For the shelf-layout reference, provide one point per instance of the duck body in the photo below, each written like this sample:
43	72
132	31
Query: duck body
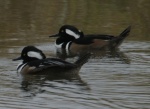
35	62
44	66
70	38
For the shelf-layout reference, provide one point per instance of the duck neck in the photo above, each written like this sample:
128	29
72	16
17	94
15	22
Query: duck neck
62	43
61	40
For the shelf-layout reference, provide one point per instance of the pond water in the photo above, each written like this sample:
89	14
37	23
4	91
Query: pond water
120	81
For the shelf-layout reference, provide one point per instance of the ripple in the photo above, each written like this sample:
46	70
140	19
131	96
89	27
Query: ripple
120	82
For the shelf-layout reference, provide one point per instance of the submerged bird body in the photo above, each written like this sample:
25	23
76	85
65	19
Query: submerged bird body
35	62
72	39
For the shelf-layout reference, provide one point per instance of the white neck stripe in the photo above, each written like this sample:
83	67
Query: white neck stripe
67	46
20	67
58	45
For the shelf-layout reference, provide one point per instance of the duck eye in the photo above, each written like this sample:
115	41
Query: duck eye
24	54
62	31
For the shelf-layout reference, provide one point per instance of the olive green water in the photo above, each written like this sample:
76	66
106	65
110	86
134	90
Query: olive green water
108	82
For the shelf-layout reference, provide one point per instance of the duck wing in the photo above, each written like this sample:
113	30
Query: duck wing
49	65
88	39
51	62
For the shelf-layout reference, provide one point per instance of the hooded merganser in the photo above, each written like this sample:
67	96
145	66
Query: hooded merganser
35	62
70	38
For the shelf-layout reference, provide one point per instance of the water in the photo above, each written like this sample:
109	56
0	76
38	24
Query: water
119	81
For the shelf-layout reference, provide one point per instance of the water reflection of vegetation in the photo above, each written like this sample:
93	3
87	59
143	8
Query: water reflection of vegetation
26	19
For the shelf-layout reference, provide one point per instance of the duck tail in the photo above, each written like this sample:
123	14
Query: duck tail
121	37
126	32
83	59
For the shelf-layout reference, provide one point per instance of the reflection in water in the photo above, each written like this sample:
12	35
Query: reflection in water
97	53
38	19
114	84
33	84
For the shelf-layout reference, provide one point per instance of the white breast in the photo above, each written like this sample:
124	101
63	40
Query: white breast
58	45
20	66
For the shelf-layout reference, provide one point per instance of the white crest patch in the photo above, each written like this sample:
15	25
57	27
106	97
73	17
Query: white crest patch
34	54
76	36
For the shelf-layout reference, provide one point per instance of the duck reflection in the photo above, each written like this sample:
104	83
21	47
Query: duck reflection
36	69
96	53
36	84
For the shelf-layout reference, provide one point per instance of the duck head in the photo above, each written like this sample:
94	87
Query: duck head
67	33
30	53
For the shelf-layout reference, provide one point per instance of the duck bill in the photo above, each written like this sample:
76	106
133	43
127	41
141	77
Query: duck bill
16	59
54	35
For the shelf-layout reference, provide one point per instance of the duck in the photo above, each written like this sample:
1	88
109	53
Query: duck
70	38
34	61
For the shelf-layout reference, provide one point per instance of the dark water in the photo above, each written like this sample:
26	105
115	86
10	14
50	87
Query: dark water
108	82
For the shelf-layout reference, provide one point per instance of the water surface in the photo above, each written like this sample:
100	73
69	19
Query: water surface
120	81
